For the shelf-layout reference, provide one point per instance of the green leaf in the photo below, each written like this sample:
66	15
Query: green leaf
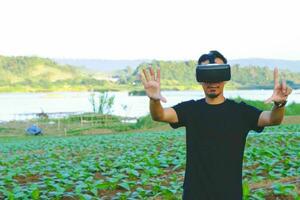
35	194
124	185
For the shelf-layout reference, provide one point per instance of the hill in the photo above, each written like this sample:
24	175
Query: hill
100	65
109	66
31	74
34	69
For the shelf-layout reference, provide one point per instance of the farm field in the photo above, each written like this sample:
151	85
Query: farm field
145	165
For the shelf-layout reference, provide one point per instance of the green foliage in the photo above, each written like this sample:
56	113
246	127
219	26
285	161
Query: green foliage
256	103
90	117
4	129
246	191
146	122
124	75
31	74
290	109
172	73
284	189
93	102
133	166
182	73
35	74
29	70
293	109
111	122
104	103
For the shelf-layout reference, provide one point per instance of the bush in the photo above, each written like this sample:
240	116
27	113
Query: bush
147	122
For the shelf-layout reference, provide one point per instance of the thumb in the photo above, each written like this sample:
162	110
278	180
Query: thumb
163	99
269	100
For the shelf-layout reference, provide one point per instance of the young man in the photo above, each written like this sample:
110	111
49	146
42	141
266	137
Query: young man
216	131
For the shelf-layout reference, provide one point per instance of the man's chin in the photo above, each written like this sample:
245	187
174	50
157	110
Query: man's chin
212	95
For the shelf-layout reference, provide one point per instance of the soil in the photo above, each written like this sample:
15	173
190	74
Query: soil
291	120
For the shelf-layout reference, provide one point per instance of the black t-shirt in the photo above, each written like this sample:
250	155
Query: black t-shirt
215	139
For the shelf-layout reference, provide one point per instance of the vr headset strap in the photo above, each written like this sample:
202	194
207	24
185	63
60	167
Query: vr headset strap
211	58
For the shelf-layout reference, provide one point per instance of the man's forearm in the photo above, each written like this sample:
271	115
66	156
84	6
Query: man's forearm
277	114
156	110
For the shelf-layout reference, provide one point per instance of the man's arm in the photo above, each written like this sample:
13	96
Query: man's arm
152	87
271	118
158	113
279	96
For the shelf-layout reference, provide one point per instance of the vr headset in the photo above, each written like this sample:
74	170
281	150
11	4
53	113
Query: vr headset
212	72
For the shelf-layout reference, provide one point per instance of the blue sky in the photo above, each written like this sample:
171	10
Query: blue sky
155	29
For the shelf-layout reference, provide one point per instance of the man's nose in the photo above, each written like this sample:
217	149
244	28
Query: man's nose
212	84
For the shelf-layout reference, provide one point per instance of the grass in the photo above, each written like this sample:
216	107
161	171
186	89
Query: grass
78	125
290	109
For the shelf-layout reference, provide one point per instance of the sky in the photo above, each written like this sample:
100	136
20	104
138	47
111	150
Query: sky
152	29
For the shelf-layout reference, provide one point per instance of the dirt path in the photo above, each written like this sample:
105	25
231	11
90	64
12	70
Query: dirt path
291	120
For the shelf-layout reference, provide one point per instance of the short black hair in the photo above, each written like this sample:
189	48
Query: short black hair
211	57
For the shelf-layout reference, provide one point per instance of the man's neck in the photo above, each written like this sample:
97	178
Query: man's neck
218	100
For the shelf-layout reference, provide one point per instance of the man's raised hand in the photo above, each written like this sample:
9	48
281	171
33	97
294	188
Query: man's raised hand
281	91
152	84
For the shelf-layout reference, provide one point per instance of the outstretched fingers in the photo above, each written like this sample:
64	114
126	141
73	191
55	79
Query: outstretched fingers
158	75
283	87
142	79
289	90
152	73
146	75
276	79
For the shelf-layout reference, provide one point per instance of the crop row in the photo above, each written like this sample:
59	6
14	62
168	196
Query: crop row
135	166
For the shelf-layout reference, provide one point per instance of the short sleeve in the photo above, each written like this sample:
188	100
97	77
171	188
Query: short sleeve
182	110
251	115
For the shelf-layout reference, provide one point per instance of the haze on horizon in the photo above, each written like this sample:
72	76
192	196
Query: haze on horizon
139	29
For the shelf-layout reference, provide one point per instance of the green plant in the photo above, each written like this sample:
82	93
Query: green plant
146	122
284	189
133	166
104	103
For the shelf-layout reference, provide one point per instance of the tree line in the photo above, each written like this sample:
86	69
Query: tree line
182	73
42	74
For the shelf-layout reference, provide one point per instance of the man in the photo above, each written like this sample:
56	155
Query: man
216	131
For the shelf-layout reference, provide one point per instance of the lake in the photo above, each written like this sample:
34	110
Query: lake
18	106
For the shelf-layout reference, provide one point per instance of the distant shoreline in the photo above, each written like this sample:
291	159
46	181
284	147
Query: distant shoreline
131	90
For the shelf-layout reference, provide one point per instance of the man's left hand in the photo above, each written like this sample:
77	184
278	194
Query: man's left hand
281	91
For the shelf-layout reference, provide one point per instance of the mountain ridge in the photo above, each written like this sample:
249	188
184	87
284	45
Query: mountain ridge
107	65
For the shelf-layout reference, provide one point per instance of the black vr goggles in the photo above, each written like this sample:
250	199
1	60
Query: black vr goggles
212	72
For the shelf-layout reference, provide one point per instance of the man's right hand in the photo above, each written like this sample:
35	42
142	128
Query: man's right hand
152	84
